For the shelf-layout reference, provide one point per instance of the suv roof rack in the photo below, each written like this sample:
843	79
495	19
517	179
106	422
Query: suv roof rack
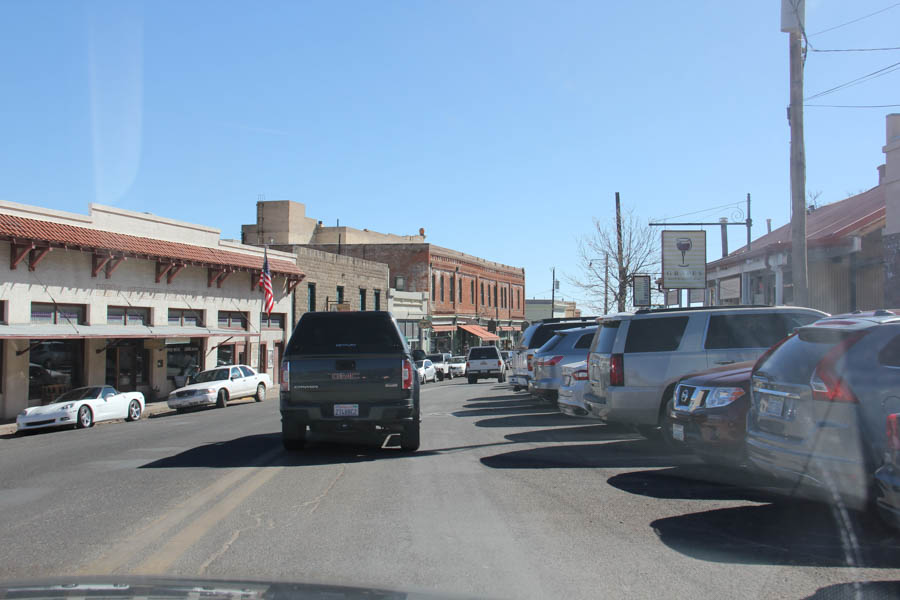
561	319
644	311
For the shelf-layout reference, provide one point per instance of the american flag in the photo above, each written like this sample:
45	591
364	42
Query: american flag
265	282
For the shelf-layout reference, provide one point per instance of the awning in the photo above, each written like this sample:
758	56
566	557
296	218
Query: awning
508	328
68	331
480	331
442	328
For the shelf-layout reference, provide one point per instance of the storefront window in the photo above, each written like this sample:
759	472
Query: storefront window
272	321
225	355
127	315
182	362
185	317
127	365
55	366
57	314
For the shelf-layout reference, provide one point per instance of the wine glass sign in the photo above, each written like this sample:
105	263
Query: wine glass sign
684	259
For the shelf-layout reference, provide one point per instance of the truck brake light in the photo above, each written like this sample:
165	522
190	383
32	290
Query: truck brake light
406	370
285	376
617	369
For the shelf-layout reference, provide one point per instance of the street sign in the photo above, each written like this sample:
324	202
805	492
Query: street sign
684	259
640	288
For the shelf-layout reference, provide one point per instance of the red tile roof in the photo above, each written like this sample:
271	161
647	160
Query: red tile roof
825	225
15	228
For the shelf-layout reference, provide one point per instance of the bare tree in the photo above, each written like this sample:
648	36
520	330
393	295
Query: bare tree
640	254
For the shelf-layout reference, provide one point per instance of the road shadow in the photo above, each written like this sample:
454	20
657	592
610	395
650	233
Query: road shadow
501	410
639	453
786	533
520	403
321	449
699	482
171	412
515	397
858	590
598	432
539	417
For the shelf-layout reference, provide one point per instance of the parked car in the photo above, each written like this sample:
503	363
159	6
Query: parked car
636	359
571	391
218	386
709	413
887	477
521	362
458	366
82	407
818	405
484	362
426	371
441	362
349	371
566	346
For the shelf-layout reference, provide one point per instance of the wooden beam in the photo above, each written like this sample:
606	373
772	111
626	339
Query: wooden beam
254	280
212	275
174	272
98	263
37	255
162	269
292	284
223	277
18	254
112	265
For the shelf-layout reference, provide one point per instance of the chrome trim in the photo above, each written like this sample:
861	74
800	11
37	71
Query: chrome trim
777	393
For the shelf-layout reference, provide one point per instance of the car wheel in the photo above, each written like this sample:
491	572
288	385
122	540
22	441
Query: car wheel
293	437
134	411
222	399
439	375
409	439
180	411
260	393
472	380
517	388
450	375
85	418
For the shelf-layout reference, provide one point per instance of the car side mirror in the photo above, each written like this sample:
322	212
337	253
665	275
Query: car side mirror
234	377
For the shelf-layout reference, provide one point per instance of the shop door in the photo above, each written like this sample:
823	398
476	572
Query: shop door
276	362
121	368
263	359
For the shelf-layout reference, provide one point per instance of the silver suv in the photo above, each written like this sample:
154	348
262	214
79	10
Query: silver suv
637	359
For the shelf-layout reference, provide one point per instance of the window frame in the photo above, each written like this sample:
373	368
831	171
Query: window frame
230	322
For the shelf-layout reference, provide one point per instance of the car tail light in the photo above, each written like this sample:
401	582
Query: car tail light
580	375
406	370
552	362
827	385
617	369
892	432
499	363
530	360
467	365
285	376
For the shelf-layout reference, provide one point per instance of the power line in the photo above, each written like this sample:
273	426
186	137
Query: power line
868	77
852	49
853	105
877	12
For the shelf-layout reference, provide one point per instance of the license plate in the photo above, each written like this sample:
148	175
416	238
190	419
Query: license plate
678	431
772	406
346	410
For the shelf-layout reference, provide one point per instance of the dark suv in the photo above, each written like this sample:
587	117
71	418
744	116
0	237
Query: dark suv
349	371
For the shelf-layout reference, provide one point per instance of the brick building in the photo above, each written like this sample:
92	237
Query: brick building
470	300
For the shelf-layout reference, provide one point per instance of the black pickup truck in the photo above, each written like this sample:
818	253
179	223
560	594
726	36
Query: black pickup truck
349	371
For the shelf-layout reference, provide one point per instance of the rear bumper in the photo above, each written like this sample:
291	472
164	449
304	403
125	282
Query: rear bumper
813	475
571	405
718	432
633	406
483	374
519	380
372	413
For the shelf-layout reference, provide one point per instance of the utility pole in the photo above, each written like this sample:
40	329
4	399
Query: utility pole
623	284
606	286
553	295
792	22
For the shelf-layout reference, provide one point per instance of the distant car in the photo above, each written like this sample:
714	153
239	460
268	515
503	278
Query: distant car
887	477
82	407
818	405
572	388
426	370
566	346
484	362
441	362
708	413
458	366
218	386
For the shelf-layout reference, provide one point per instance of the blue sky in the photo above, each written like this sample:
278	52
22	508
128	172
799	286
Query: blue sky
501	127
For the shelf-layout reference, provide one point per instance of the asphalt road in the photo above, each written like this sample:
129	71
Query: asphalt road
506	498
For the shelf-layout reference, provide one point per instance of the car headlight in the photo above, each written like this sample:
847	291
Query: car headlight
68	406
723	396
24	413
211	390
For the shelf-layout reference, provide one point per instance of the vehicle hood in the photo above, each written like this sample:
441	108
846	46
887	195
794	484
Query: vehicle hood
736	374
199	386
49	409
127	588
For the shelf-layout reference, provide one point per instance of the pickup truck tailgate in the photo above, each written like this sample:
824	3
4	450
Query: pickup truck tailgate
337	379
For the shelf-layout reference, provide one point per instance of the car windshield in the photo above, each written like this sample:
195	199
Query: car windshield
80	394
212	375
338	258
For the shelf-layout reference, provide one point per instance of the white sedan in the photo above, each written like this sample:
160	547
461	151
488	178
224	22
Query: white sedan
82	407
426	370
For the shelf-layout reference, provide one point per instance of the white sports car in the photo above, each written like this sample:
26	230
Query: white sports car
82	407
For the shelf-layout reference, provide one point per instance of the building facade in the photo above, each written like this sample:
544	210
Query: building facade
84	304
471	301
539	308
